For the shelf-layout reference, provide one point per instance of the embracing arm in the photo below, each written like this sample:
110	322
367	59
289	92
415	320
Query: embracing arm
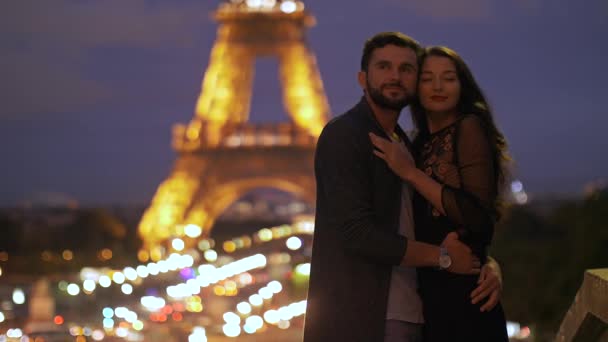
343	164
469	206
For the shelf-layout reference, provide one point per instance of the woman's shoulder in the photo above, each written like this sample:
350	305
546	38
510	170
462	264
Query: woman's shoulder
471	120
470	124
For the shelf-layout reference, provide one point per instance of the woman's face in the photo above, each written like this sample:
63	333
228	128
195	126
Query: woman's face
439	87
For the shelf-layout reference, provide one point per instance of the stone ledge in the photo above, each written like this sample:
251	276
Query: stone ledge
587	318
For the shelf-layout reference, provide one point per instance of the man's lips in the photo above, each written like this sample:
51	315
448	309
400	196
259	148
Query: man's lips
439	98
393	88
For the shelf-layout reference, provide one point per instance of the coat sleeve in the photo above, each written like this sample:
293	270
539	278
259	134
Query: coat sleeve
344	183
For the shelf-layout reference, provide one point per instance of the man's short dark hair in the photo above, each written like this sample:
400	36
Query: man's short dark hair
383	39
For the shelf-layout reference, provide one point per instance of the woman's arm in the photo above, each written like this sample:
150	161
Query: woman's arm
470	206
400	161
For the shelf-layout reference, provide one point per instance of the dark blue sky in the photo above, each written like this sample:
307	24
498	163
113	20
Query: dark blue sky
89	89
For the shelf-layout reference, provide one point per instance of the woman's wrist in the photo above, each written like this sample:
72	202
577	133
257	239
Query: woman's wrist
410	174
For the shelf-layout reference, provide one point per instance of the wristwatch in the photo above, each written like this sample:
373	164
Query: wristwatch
444	259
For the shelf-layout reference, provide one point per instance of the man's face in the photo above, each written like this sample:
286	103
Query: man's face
390	80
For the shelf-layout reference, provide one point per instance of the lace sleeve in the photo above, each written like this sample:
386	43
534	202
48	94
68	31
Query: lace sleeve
471	205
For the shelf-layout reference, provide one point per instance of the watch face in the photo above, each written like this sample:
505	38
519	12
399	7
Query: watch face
445	261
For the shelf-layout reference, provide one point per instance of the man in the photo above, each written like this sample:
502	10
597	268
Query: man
363	280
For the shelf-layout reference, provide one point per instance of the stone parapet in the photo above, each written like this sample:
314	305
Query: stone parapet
587	318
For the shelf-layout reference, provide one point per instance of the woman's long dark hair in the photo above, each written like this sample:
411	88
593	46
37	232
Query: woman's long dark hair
472	101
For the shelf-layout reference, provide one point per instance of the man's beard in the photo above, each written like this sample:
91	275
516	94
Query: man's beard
385	102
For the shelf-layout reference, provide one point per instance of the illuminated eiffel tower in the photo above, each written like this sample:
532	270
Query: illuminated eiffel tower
220	155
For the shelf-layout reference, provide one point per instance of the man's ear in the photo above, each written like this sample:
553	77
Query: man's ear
362	78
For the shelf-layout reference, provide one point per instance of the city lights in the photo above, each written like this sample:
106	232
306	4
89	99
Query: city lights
58	320
254	3
108	312
152	303
118	277
105	281
198	335
142	271
228	278
204	245
130	273
108	323
153	269
244	308
67	255
275	286
293	243
98	335
265	293
232	318
178	244
126	289
14	333
256	300
519	194
105	254
303	269
288	6
73	289
62	285
231	330
193	230
210	255
88	285
253	323
18	296
272	316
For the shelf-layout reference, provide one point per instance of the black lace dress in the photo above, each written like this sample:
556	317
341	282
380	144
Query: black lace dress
459	157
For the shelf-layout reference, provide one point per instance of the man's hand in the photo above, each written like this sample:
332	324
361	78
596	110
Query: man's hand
490	286
463	260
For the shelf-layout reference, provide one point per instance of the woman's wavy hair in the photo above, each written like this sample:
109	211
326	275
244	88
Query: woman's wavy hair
472	101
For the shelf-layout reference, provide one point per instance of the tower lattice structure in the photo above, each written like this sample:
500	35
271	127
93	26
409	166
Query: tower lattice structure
220	156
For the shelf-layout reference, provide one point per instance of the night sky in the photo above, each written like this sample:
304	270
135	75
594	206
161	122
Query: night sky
90	89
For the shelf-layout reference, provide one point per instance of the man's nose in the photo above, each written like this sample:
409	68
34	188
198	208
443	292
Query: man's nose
394	74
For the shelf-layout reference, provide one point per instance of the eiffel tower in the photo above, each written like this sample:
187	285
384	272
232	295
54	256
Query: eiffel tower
221	156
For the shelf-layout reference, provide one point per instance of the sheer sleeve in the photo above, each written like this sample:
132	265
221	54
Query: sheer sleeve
471	205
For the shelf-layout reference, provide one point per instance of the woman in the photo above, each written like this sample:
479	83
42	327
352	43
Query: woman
461	159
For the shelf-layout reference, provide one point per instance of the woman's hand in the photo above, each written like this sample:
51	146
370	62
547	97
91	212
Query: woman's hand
396	156
489	286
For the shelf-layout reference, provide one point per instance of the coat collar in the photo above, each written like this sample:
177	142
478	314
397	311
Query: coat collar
363	108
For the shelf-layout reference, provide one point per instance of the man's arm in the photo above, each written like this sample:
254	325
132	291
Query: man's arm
420	254
343	163
343	173
345	194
